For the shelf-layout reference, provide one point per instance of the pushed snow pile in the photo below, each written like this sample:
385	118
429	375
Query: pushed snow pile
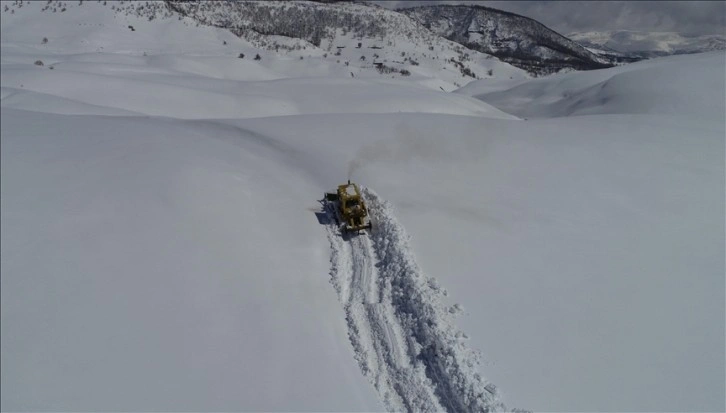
677	85
403	335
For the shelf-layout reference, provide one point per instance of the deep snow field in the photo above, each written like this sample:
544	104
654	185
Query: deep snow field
163	246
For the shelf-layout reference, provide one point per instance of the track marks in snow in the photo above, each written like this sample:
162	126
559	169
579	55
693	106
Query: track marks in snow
402	334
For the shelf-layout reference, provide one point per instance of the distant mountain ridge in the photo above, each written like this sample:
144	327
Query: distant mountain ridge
515	39
650	44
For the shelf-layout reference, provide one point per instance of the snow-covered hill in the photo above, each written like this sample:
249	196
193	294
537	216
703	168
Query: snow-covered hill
650	44
607	91
363	36
354	39
512	38
164	247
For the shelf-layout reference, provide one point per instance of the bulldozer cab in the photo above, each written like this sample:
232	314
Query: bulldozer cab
351	203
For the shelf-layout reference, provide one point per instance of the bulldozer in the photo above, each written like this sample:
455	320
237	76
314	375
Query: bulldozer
350	209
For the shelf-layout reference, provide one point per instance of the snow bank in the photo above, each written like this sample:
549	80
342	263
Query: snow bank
439	345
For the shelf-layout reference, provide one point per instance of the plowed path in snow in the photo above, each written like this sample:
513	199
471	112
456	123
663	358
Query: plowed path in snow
402	334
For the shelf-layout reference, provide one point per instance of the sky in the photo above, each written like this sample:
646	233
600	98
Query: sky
685	17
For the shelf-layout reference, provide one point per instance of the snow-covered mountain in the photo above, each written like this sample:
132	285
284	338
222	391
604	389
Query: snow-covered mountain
462	46
515	39
359	34
164	246
650	44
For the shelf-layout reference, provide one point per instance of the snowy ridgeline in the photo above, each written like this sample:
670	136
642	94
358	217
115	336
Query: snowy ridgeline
161	232
650	44
360	39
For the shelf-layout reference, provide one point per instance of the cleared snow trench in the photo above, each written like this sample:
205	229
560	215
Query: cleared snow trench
403	336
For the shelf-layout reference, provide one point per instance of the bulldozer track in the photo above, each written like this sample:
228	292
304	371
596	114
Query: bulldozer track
403	336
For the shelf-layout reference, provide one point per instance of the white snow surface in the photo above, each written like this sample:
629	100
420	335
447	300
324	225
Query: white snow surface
163	246
676	88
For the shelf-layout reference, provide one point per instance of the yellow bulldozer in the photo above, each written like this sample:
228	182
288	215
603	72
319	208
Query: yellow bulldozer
350	209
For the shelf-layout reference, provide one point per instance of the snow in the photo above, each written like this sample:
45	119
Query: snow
675	89
162	231
207	98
